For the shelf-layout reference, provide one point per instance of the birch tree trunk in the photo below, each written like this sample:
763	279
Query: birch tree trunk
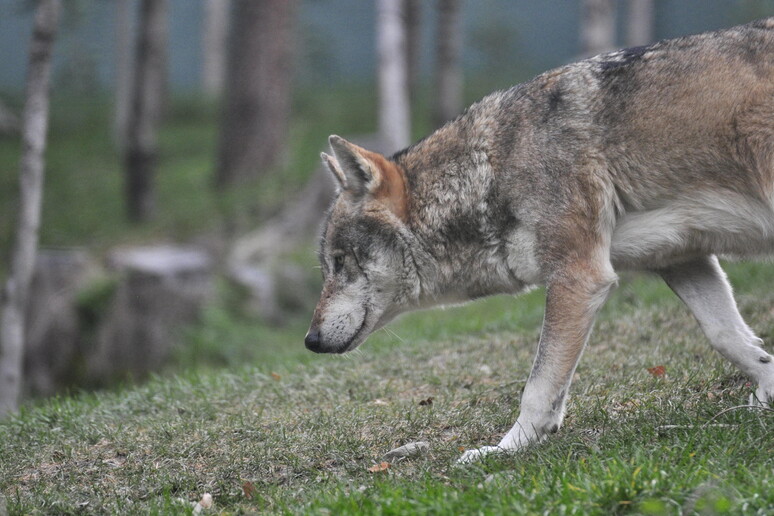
639	23
256	111
31	174
597	31
394	114
145	112
214	39
448	77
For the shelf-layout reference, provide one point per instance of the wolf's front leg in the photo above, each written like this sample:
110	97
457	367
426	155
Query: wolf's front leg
573	299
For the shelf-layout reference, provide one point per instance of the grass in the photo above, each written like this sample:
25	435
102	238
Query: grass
299	436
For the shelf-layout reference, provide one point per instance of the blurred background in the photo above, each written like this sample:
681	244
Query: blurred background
183	193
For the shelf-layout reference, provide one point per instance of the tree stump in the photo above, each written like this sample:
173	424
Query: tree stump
52	335
160	290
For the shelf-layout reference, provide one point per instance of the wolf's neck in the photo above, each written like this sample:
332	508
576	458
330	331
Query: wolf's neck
458	215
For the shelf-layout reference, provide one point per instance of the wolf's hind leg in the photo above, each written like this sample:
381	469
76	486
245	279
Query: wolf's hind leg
702	285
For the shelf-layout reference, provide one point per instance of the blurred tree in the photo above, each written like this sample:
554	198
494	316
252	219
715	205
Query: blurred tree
412	10
448	76
254	128
31	174
597	30
639	22
496	44
214	39
394	110
145	111
125	30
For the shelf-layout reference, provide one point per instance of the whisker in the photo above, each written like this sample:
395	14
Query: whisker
389	331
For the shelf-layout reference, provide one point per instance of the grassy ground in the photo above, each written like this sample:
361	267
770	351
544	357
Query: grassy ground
301	436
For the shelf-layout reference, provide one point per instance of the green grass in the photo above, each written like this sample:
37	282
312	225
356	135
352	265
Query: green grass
298	435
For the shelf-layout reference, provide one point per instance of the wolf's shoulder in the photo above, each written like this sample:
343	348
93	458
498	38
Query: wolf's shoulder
763	23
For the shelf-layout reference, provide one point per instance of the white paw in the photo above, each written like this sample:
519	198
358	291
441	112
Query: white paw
762	397
476	455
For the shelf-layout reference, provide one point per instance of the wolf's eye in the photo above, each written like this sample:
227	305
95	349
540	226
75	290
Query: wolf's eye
338	262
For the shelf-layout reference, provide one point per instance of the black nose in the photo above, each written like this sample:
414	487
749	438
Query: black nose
312	340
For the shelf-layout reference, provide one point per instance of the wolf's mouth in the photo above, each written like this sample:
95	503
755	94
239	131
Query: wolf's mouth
353	342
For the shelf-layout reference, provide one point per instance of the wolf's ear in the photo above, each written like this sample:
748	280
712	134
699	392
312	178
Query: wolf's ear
331	164
364	173
357	170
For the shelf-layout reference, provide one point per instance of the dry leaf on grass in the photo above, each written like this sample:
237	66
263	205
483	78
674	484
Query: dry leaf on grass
378	468
657	371
248	489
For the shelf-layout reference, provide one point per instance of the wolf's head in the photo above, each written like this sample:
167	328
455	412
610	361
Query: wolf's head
369	271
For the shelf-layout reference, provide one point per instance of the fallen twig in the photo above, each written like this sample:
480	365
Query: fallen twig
689	427
729	409
709	423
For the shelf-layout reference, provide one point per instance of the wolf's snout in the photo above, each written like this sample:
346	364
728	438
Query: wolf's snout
312	340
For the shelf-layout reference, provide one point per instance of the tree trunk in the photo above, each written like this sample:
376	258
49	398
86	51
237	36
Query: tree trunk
254	130
160	290
394	114
145	113
31	173
214	39
597	32
412	10
639	30
55	341
125	31
448	85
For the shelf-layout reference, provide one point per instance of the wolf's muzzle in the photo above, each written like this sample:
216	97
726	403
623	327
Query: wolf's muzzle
313	342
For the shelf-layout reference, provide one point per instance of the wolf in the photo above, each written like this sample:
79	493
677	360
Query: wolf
656	158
